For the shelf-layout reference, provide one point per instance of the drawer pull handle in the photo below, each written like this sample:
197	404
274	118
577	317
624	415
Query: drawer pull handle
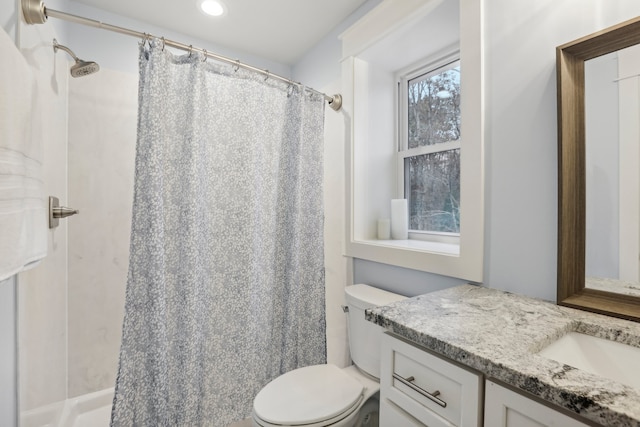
431	396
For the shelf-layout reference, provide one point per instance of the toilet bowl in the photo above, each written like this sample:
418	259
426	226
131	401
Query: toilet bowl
325	395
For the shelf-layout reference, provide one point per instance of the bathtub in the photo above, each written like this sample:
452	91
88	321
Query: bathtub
89	410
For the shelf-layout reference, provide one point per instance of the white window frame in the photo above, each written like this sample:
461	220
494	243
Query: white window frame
366	101
431	66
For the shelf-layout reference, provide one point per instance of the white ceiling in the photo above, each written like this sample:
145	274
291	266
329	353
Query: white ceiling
279	30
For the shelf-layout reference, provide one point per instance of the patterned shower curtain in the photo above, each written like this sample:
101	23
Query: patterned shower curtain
226	278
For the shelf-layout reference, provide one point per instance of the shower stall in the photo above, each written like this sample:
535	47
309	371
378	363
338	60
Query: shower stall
70	307
100	153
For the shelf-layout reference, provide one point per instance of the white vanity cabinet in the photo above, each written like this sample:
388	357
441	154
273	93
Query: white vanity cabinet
506	408
418	388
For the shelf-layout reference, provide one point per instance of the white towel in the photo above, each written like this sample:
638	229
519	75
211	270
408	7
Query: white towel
23	220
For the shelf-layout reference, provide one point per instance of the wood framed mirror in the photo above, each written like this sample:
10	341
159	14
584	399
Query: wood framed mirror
572	174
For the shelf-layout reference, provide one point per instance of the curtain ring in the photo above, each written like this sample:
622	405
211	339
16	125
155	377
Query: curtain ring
145	39
162	38
204	52
267	75
237	66
190	50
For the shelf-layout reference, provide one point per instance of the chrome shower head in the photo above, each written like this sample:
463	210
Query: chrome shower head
84	68
80	68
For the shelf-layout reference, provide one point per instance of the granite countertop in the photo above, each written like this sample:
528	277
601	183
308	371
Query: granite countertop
499	334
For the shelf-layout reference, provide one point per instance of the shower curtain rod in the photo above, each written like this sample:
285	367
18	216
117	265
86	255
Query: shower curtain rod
35	12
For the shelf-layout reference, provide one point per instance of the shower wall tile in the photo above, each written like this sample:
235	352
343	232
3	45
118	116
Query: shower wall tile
42	290
102	136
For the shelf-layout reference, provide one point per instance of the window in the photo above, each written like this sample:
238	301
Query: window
389	156
429	149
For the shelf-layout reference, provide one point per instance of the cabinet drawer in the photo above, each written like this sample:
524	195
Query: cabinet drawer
429	388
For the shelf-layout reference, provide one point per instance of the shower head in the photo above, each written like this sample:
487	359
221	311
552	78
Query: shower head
84	68
80	68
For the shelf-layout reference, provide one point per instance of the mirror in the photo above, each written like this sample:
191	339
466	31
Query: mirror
598	248
612	170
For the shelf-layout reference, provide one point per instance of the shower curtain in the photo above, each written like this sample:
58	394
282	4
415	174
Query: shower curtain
226	278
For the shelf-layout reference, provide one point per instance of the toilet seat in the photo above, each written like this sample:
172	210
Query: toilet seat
315	395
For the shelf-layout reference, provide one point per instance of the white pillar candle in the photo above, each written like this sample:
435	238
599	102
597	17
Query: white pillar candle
384	229
399	219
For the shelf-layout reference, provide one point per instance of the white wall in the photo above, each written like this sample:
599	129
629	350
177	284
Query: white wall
120	52
8	354
521	140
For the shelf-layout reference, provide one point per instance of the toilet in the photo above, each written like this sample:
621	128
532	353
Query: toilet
325	395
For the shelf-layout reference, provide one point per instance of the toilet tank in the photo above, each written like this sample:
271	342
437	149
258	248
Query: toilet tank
364	336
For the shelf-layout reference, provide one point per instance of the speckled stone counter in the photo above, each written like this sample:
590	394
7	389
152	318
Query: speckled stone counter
499	334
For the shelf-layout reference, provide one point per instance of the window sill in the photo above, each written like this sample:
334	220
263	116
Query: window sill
418	245
446	259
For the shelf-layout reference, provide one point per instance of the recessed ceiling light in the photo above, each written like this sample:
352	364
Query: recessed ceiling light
212	7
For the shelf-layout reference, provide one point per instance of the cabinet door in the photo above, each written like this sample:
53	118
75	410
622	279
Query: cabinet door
391	415
506	408
430	389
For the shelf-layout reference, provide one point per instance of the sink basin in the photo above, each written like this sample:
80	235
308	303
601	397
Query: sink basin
599	356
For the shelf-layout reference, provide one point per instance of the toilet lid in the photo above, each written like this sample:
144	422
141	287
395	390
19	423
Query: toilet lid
307	395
